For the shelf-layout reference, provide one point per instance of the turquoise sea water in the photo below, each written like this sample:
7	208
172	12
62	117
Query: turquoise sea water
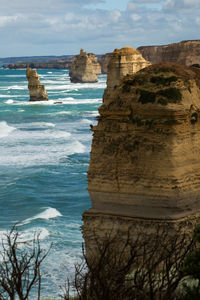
44	158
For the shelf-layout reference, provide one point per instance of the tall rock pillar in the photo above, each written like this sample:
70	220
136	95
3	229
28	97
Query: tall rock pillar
145	158
37	90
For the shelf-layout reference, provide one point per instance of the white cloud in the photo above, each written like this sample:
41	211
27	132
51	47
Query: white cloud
5	20
198	20
131	6
135	17
115	16
181	4
64	26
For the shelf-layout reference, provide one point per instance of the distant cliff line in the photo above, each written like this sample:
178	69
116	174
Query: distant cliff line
39	62
186	52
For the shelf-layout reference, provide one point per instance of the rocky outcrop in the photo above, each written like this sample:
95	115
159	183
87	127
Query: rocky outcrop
145	159
185	53
95	62
146	151
122	62
104	62
37	90
83	69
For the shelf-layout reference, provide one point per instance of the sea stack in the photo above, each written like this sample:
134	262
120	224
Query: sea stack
37	90
145	158
83	69
122	62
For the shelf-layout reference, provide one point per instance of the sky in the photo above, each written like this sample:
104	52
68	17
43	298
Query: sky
60	27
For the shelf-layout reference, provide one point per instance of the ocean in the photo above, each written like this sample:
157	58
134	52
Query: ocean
44	158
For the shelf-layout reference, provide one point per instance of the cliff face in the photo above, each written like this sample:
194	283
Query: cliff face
185	53
37	90
104	62
122	62
83	69
94	60
145	158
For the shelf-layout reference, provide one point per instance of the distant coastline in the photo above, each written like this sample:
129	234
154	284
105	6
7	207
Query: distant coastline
38	62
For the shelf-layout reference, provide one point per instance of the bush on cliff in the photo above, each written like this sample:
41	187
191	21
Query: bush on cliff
150	267
191	268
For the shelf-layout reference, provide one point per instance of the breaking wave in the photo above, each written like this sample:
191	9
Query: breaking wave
5	129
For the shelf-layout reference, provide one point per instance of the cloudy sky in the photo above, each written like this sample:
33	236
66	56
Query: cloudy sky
56	27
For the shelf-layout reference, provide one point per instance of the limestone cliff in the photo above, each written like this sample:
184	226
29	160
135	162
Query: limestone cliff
145	158
122	62
185	53
37	90
104	62
83	69
95	62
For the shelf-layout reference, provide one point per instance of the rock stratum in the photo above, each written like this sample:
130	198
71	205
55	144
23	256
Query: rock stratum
185	53
145	157
122	62
37	90
95	63
105	59
84	68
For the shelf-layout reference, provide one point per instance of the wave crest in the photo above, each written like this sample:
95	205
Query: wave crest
48	213
5	129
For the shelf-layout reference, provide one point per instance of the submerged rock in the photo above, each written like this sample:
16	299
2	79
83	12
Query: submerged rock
37	90
84	68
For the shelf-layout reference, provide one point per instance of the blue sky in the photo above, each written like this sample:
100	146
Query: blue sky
112	4
56	27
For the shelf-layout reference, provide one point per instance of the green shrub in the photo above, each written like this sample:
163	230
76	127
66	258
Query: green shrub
191	268
164	70
126	88
147	97
171	122
163	80
138	121
139	79
162	101
173	94
191	293
194	118
196	66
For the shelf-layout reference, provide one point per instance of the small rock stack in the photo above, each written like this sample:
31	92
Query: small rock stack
84	68
37	90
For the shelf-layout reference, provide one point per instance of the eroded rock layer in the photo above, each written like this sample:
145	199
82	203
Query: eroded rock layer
95	62
105	59
37	90
145	158
122	62
185	53
83	68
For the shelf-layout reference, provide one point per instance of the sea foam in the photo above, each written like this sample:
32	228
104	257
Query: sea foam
5	129
48	213
10	101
